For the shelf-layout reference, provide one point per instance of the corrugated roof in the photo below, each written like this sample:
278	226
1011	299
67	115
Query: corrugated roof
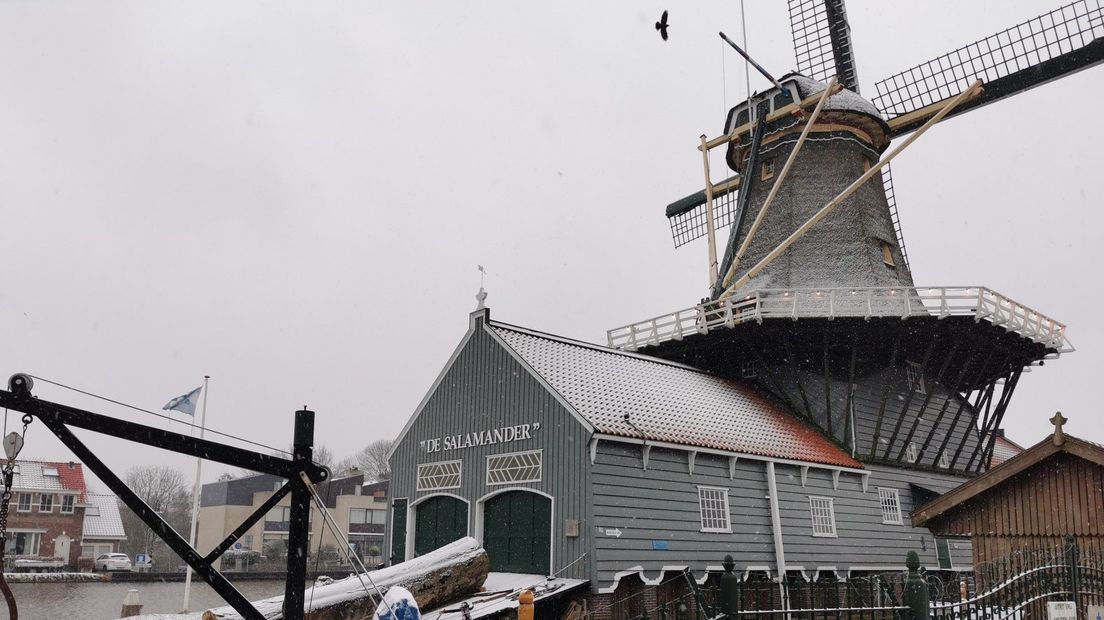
668	402
105	521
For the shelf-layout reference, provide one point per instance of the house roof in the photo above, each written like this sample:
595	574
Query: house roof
634	395
102	518
1004	449
50	476
1025	460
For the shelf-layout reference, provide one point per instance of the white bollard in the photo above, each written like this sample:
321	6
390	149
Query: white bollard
131	607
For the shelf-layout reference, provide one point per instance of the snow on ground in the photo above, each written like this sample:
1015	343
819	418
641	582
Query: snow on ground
352	587
52	577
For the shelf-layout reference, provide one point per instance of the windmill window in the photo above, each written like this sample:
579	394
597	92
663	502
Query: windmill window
887	254
748	369
823	515
915	375
945	460
713	504
767	169
912	452
891	506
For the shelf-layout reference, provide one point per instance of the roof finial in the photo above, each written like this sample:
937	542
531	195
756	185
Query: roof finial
1058	437
481	296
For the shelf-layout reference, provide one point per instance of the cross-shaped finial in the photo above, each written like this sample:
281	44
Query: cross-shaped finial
1059	436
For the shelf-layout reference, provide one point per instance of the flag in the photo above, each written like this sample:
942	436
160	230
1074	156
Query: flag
186	403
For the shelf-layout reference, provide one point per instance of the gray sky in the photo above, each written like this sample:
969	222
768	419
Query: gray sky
293	197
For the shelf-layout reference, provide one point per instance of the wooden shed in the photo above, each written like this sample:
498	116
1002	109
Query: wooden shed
1031	501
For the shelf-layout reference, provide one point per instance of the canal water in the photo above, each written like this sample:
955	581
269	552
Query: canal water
103	601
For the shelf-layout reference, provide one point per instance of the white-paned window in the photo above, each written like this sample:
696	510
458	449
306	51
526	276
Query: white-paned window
915	374
945	460
358	516
46	503
24	504
515	467
23	543
67	503
912	452
823	515
279	514
438	476
713	503
891	506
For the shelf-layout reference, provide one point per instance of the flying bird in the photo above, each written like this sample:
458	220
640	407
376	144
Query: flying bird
661	25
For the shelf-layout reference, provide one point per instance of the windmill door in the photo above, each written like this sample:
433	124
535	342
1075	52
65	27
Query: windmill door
438	521
517	532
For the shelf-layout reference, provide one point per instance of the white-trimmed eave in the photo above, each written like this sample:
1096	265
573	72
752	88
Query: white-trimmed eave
432	389
540	378
730	453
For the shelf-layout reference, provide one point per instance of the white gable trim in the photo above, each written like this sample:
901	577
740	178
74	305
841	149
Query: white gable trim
432	389
540	379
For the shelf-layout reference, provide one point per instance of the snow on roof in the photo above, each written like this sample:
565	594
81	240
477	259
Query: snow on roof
843	100
1004	449
668	402
49	476
102	518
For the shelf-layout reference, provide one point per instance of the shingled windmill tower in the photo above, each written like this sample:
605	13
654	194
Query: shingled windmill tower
812	298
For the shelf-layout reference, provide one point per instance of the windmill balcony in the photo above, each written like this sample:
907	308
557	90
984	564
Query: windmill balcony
981	303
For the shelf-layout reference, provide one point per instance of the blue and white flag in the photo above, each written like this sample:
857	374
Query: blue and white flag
186	403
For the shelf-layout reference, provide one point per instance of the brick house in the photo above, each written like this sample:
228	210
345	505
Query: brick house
47	511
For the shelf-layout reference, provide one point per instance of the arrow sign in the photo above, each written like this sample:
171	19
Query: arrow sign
613	531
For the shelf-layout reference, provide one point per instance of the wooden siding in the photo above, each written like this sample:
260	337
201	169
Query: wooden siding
486	388
1061	495
862	539
661	504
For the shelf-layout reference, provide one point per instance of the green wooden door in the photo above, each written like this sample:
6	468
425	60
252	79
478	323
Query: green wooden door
439	521
398	531
517	532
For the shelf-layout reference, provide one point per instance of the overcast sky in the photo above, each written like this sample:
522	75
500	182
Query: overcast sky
293	197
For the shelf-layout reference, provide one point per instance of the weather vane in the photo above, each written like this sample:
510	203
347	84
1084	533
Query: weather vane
481	296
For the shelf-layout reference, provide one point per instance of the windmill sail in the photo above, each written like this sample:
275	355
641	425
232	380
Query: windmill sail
822	41
1055	44
687	215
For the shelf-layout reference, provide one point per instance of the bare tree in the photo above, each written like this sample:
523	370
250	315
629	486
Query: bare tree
166	491
372	460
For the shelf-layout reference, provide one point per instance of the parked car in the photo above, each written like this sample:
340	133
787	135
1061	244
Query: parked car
113	561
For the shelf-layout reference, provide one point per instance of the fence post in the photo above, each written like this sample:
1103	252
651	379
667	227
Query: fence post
730	589
525	605
1073	556
917	598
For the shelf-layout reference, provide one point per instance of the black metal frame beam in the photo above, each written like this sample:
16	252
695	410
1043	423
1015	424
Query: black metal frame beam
885	396
59	418
946	405
908	399
252	519
927	401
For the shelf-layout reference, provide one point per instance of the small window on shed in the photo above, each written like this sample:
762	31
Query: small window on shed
912	452
887	254
713	504
823	515
943	553
891	506
767	170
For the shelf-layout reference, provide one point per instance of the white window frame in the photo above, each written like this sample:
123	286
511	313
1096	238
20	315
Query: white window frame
945	460
42	499
19	502
439	487
703	492
831	513
915	374
364	518
890	502
912	452
71	500
540	467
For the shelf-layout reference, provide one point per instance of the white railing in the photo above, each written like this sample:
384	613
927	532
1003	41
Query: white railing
902	302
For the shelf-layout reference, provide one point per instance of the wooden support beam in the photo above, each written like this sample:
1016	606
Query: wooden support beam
908	399
797	377
927	401
827	388
985	397
946	406
710	228
777	184
849	428
805	103
851	189
885	396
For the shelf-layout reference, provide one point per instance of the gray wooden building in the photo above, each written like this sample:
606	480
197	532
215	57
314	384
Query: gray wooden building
583	461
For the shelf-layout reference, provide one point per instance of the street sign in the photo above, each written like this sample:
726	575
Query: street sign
1062	610
1096	612
140	558
237	546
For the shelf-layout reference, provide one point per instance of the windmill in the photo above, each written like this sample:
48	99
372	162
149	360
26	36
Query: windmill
812	297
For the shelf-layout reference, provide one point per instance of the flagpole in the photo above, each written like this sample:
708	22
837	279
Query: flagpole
195	495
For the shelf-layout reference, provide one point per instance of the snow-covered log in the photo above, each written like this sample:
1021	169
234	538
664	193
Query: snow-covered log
436	578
